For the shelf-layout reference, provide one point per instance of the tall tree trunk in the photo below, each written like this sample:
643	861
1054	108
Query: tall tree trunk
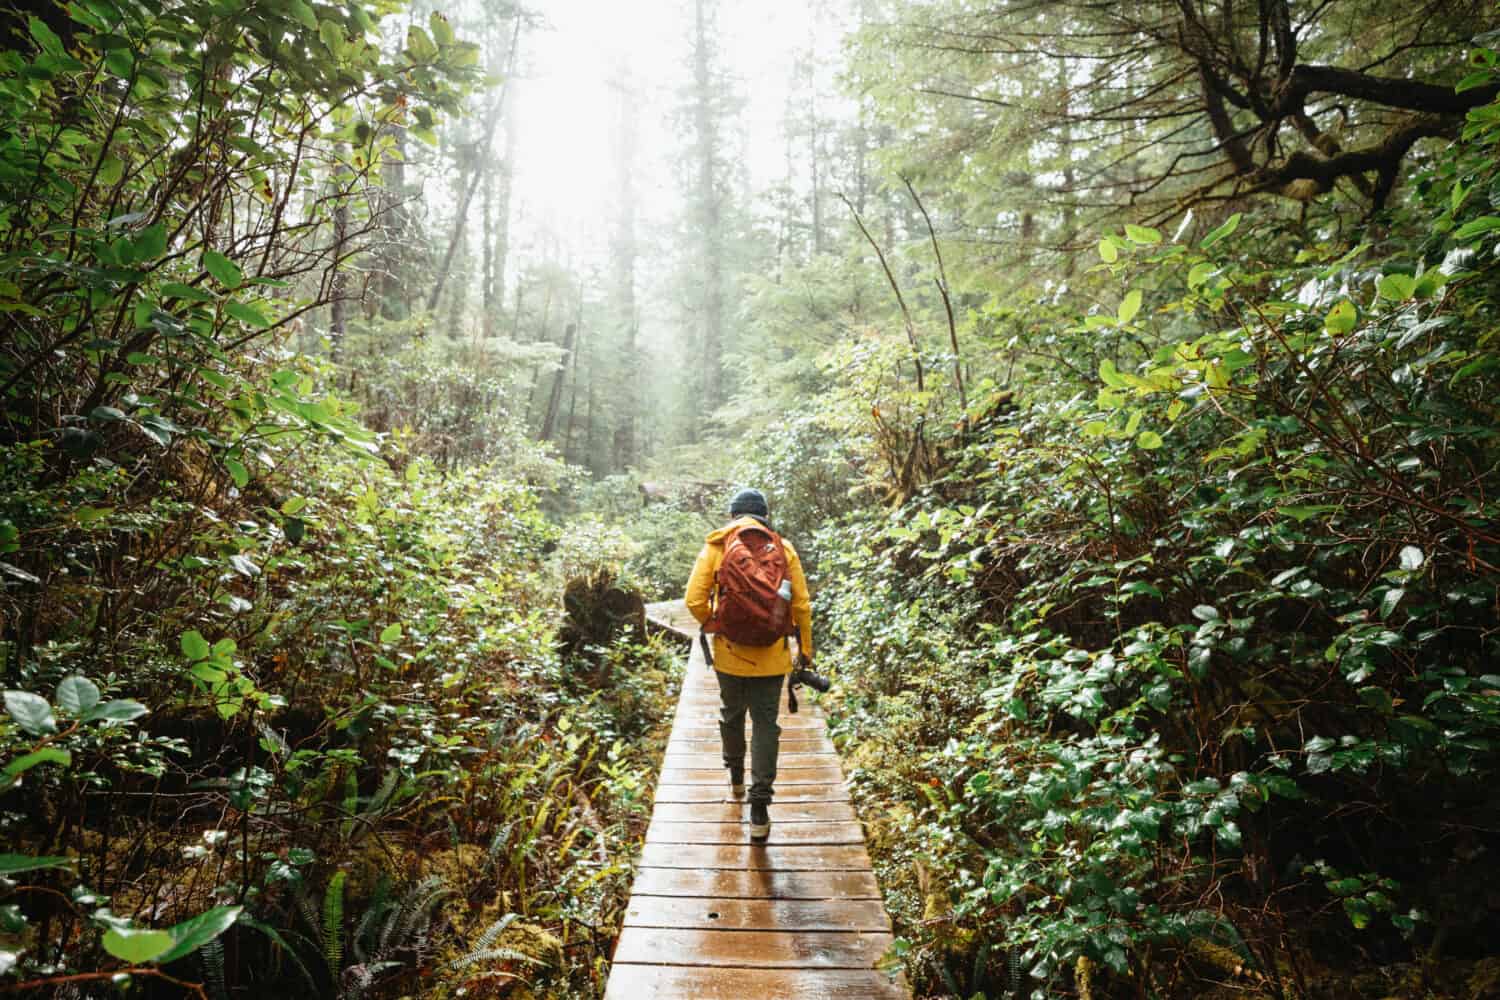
549	422
622	257
338	284
394	256
573	400
487	277
458	301
471	183
710	359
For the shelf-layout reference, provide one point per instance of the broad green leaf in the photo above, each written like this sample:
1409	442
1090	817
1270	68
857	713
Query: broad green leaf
1108	252
1129	306
1150	440
224	270
194	933
391	633
31	712
150	243
1206	613
247	314
1306	512
1389	602
441	29
304	14
1111	375
110	171
177	290
46	755
1396	287
237	471
118	710
121	62
418	45
14	864
1200	273
77	694
136	944
331	34
1358	911
1225	229
1478	78
194	646
45	37
1341	318
293	505
1143	235
107	414
1477	227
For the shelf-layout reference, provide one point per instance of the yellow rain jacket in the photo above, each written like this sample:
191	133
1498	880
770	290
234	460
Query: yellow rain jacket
735	658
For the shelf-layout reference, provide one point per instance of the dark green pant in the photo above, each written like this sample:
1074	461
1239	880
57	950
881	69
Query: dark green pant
761	697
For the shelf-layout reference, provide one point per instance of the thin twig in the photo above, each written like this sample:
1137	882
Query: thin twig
911	329
942	284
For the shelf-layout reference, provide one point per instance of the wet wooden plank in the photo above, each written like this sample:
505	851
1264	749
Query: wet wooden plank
784	759
719	776
757	914
710	739
634	982
761	883
738	812
704	724
829	792
664	832
751	949
791	857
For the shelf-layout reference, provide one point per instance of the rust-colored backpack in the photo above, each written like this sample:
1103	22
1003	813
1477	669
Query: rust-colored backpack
748	607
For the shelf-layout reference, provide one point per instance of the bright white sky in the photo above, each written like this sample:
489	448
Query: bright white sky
563	169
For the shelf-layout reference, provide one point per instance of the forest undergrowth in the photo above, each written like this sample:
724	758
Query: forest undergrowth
1168	667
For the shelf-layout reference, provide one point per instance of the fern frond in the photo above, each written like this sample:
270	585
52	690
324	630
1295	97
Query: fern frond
490	955
376	913
411	915
212	957
333	924
493	931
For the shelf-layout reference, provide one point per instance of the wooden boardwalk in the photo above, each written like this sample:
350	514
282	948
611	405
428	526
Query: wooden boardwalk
713	917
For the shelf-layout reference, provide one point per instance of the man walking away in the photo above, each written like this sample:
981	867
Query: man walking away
747	590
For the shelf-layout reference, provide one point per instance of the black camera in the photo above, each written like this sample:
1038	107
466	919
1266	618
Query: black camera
819	683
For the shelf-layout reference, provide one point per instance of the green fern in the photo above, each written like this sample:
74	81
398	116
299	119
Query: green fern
366	935
212	957
484	949
333	924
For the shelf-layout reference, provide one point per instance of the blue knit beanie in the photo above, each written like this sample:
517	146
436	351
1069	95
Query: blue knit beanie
748	501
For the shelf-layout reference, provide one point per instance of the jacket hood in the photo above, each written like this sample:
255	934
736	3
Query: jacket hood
717	536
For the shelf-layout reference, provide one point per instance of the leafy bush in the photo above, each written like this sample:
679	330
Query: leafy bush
1220	697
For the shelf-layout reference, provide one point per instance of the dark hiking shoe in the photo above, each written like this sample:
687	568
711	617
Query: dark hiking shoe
760	822
737	782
